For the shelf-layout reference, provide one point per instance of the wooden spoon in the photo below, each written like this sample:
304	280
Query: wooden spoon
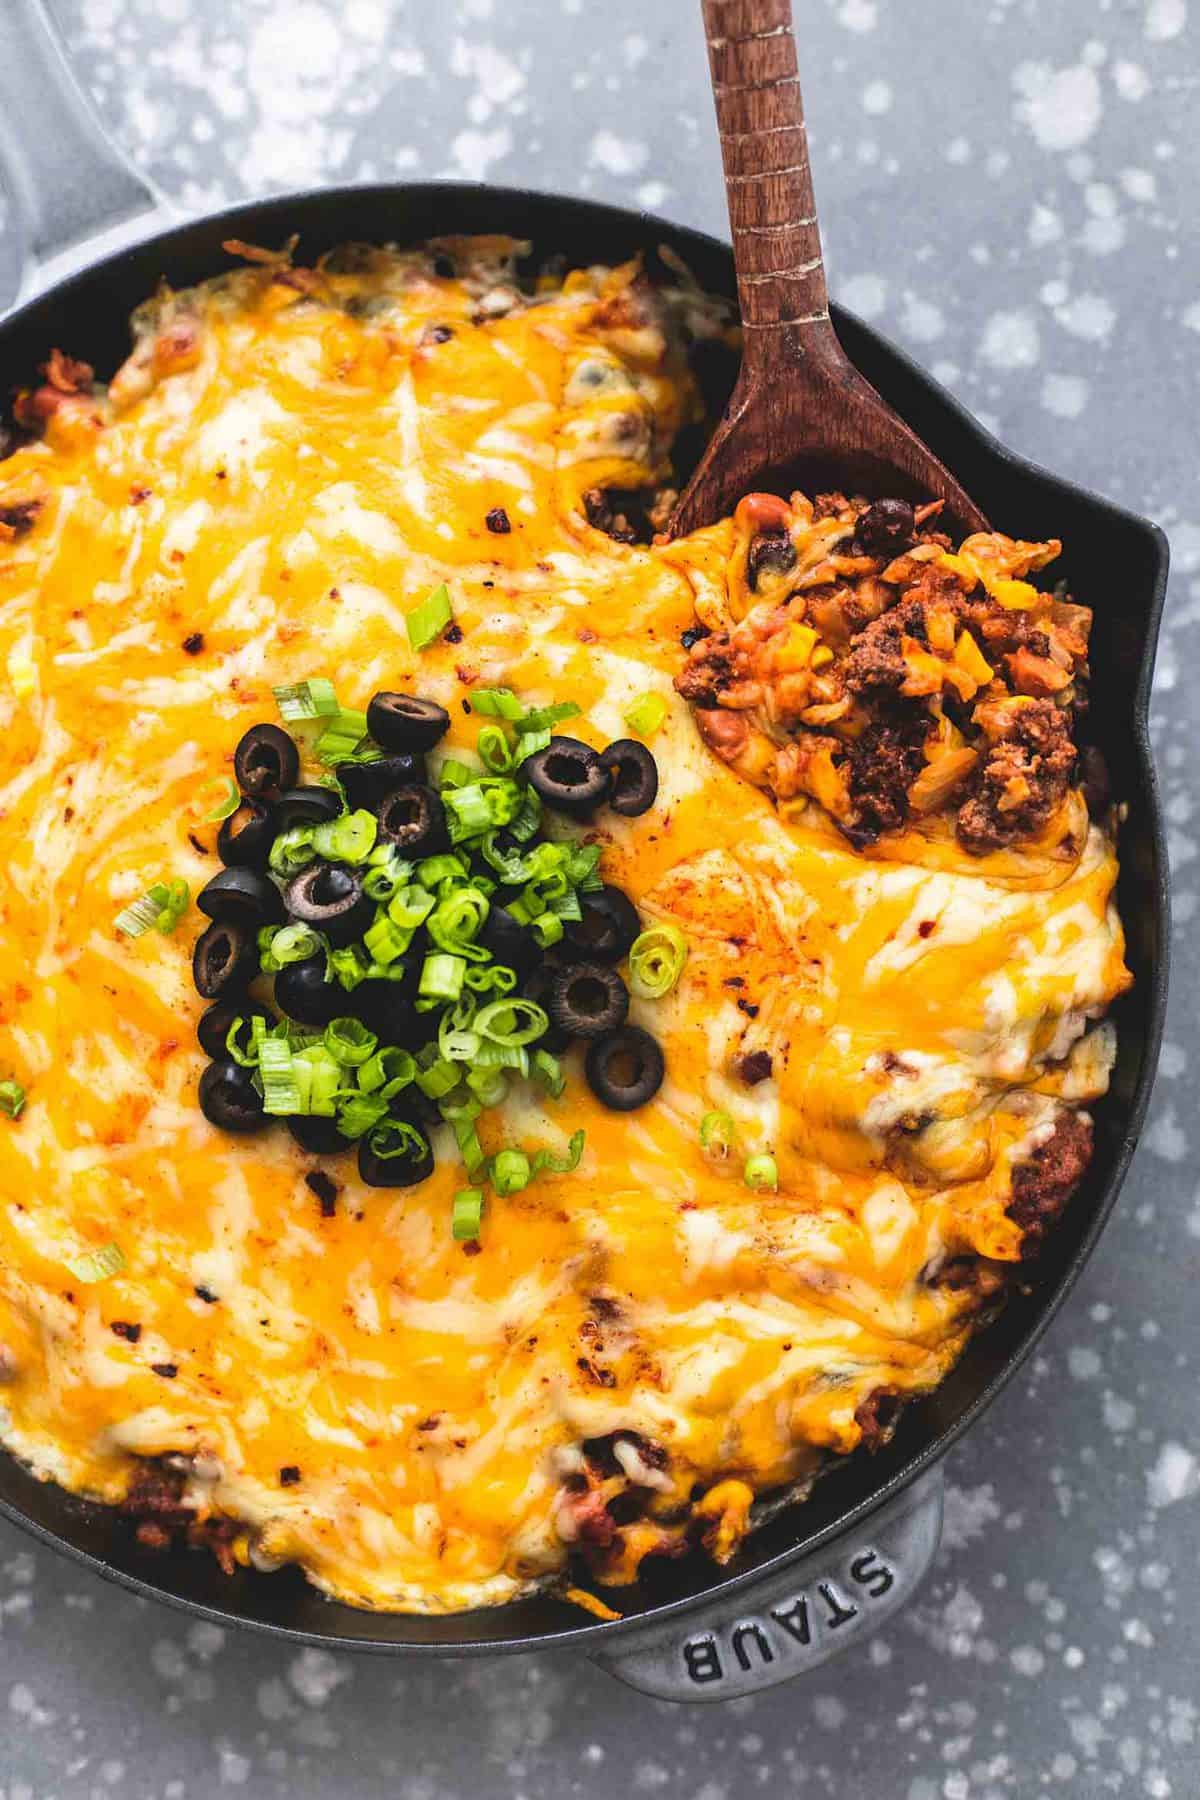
800	415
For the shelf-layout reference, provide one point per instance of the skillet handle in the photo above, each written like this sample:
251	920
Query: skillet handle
76	196
795	1620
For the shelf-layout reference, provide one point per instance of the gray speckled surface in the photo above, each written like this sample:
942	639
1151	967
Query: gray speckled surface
1007	188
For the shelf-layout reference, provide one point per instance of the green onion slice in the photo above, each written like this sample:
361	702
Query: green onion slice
342	739
560	1165
292	851
656	961
226	806
496	703
441	978
548	1072
387	1071
359	1113
466	1214
281	1089
312	699
495	751
761	1173
349	839
512	1021
12	1098
542	718
396	1137
645	714
293	944
510	1171
350	1042
427	621
717	1135
98	1265
161	906
349	965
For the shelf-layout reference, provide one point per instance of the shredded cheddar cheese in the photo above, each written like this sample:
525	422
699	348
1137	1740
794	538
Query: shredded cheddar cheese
287	463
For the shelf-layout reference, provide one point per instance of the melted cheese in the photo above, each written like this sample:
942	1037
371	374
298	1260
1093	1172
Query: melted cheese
316	469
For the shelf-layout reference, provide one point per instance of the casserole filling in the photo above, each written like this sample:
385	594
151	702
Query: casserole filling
877	939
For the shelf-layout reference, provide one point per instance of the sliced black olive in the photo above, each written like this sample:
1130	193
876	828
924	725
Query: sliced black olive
588	999
245	838
330	898
411	1163
608	927
213	1026
266	760
229	1098
402	722
414	819
536	987
625	1069
225	959
568	776
320	1136
386	1008
306	806
367	785
633	774
302	992
244	895
510	942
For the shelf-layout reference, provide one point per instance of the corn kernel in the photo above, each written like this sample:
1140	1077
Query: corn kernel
1017	596
796	650
971	659
822	656
22	671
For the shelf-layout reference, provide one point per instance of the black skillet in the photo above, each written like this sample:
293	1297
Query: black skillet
817	1576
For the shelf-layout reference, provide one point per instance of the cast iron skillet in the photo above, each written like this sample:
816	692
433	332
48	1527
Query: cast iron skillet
1113	560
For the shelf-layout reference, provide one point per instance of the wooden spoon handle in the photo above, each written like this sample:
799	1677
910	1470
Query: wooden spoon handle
768	178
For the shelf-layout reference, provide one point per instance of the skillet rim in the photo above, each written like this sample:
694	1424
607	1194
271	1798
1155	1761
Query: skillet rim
642	225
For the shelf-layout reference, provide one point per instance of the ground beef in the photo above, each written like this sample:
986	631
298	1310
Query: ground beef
708	669
155	1503
884	762
876	659
629	515
967	1275
876	1416
18	517
1023	779
1042	1185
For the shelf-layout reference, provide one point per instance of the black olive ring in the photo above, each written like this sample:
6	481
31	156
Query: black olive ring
625	1069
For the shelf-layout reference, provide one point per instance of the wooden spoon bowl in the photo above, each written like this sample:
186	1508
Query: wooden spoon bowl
801	415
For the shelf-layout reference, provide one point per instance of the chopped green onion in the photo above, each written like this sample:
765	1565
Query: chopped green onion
441	978
349	1042
396	1137
717	1135
510	1171
227	806
349	965
98	1265
528	817
466	1214
496	703
12	1098
582	864
529	743
387	873
467	812
451	865
161	906
319	1079
411	906
542	718
501	1021
281	1090
761	1172
489	1086
437	1078
359	1113
566	906
645	714
313	699
385	942
456	774
349	839
247	1058
656	961
293	944
427	621
455	923
343	735
461	1117
490	978
548	1072
292	851
560	1165
388	1071
547	928
495	750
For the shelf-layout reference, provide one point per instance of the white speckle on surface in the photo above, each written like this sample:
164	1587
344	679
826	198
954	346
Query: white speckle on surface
1190	316
1027	1660
968	1513
1010	340
1061	107
877	98
474	152
1066	396
958	150
829	1712
1175	1476
315	1674
1165	19
616	155
1165	1137
1084	1362
653	195
1088	316
858	15
865	295
922	321
1132	81
1045	226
